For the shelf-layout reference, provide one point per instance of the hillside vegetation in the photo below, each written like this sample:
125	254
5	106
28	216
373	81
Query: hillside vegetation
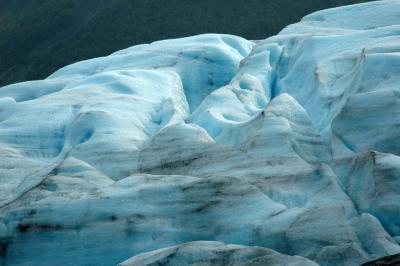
39	36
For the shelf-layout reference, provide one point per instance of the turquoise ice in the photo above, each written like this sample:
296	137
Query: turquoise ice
211	149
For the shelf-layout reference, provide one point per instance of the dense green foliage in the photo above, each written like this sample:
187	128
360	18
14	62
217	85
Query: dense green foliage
39	36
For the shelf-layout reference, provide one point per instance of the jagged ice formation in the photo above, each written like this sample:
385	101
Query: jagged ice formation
213	149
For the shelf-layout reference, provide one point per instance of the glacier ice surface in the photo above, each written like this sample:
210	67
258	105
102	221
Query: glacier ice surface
214	253
211	149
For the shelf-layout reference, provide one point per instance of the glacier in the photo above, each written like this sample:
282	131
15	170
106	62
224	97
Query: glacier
211	150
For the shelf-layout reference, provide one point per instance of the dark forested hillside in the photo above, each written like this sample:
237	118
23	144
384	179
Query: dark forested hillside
39	36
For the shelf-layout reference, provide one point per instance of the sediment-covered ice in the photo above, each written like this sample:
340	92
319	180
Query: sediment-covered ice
214	253
211	149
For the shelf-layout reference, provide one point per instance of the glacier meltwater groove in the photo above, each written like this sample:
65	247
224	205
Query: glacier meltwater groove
211	150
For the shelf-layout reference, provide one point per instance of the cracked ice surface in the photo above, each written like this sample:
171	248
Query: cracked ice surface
240	149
